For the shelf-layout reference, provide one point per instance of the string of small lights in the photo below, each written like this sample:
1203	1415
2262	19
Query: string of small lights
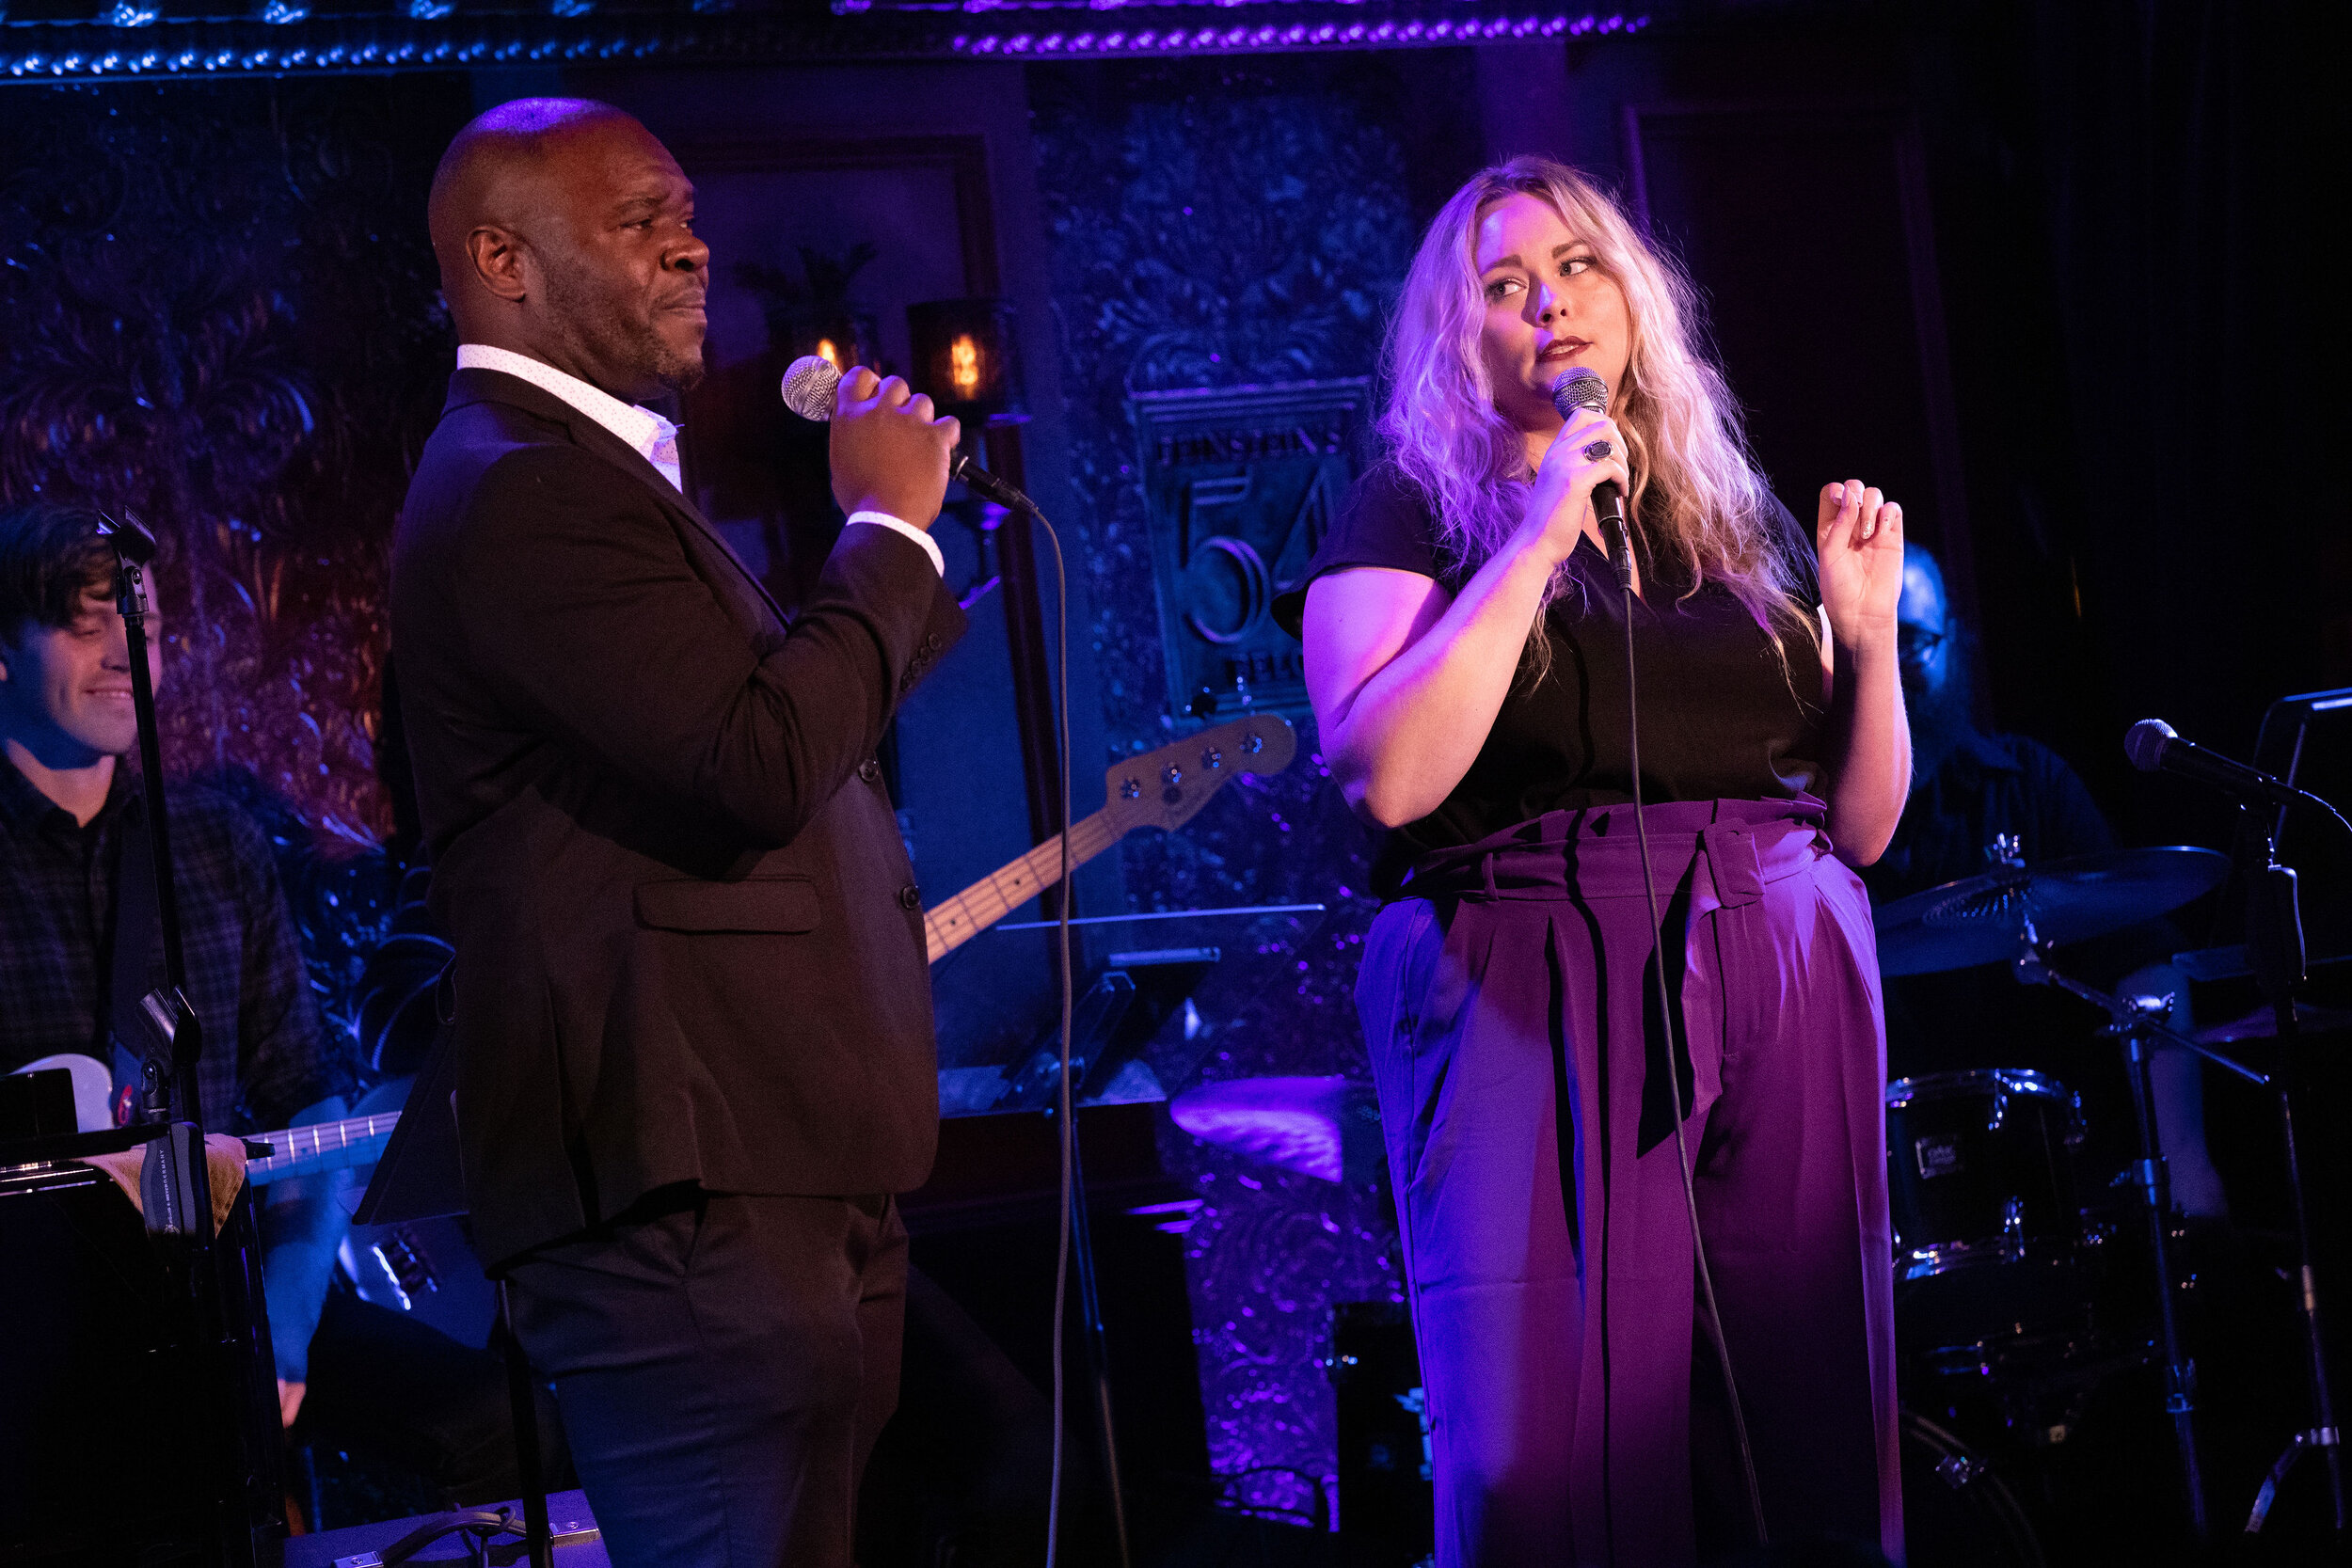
140	38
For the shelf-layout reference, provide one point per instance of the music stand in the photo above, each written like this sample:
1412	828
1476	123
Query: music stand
421	1175
418	1176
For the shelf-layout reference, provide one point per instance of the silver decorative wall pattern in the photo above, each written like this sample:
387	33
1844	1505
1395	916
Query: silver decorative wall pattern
218	310
1220	229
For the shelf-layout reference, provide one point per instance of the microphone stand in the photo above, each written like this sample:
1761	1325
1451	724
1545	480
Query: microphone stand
2274	945
175	1036
175	1186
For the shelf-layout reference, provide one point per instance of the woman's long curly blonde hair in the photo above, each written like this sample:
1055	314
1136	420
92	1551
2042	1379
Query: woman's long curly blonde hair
1696	497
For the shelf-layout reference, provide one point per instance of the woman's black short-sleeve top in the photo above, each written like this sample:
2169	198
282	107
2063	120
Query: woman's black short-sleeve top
1722	718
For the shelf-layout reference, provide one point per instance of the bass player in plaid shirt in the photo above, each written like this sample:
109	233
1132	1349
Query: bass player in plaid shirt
71	795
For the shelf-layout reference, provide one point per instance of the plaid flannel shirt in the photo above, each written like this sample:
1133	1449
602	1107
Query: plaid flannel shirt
266	1051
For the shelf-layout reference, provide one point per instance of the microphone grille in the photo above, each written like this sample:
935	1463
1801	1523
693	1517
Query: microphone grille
2145	741
808	386
1580	387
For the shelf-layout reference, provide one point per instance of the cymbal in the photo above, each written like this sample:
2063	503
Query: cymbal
1978	920
1327	1128
2263	1024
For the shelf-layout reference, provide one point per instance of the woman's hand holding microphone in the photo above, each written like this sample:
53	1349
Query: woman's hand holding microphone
1588	451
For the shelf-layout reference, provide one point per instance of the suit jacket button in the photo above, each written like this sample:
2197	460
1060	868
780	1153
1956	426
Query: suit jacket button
909	897
869	770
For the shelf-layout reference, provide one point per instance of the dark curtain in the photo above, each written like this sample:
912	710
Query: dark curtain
2193	158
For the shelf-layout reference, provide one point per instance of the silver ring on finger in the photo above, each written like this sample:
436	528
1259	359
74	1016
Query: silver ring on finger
1599	452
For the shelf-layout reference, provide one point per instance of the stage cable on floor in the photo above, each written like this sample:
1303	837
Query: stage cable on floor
1621	558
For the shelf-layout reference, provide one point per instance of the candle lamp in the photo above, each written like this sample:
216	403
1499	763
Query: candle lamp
965	358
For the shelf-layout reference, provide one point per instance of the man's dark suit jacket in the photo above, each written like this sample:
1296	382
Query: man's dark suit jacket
689	944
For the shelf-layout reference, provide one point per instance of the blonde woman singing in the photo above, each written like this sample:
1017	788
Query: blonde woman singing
1466	648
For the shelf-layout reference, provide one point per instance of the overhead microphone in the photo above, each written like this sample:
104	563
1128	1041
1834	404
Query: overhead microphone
1581	387
808	389
2153	747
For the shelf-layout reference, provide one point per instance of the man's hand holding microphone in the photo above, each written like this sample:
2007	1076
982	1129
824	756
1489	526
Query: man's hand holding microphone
896	440
890	453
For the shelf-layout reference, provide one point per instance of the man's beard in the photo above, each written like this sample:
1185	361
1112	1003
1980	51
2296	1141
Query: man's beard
596	321
1942	719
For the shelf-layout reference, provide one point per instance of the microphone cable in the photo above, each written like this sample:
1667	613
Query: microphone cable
1621	561
1066	1104
808	389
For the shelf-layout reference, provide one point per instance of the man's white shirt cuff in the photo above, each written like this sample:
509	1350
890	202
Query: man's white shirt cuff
899	525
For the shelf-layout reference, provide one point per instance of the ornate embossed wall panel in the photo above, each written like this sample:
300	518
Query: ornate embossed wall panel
1216	227
1242	486
219	310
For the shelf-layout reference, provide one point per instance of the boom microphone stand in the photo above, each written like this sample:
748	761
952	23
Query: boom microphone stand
2275	947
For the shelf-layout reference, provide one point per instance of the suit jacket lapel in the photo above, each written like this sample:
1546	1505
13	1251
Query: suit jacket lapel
468	386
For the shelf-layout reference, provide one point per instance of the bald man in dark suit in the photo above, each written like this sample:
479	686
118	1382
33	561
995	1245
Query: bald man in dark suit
693	1029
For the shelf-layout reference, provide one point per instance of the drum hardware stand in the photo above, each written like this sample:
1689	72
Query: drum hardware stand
2134	1021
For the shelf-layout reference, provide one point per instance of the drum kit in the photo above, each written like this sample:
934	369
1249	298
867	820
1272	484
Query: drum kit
2005	1281
2012	1293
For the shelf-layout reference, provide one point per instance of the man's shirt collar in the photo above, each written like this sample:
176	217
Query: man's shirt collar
23	803
654	438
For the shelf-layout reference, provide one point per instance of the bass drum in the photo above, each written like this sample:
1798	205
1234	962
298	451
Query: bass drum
1957	1512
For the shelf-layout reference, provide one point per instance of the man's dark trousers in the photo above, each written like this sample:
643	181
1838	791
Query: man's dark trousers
724	1364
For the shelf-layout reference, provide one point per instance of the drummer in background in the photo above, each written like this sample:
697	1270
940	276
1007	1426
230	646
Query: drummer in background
1969	790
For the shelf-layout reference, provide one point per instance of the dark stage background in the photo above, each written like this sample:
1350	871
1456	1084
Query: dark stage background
2057	275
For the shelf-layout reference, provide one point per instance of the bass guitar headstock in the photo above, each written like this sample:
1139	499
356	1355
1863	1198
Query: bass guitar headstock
1166	787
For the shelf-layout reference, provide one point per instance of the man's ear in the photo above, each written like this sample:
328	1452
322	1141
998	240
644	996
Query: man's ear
496	255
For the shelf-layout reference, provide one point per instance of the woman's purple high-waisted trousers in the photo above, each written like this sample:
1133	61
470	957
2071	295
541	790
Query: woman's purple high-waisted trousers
1514	1028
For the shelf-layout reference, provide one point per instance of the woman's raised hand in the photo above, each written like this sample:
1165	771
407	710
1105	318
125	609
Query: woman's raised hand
1860	538
1560	507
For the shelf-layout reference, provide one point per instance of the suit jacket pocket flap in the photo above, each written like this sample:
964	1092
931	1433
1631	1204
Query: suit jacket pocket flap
761	904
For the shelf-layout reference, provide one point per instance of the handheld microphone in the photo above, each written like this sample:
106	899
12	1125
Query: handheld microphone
809	391
2153	747
1583	389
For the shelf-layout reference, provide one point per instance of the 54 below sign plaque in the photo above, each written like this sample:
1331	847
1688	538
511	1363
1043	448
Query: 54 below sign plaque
1240	484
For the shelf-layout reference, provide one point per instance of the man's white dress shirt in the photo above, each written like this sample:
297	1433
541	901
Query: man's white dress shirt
653	437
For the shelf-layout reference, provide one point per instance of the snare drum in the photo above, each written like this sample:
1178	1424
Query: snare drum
1989	1236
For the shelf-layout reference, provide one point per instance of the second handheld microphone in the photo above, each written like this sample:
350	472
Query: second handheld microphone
808	389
